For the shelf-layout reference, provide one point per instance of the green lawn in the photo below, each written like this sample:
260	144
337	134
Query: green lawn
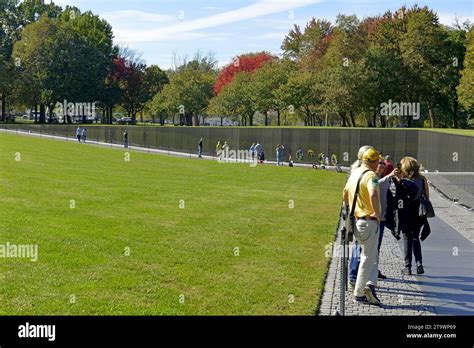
173	251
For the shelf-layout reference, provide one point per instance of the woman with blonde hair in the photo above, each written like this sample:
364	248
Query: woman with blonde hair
409	169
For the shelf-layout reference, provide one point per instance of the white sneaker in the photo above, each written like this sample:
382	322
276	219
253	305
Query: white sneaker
371	296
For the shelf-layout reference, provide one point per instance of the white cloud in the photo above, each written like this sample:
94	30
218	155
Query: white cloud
450	19
173	32
139	16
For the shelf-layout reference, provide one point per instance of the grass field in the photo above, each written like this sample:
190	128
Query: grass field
127	247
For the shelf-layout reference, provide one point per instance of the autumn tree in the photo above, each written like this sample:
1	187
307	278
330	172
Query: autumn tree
308	46
246	62
236	100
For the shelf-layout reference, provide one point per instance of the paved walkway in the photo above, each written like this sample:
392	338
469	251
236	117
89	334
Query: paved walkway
447	288
458	186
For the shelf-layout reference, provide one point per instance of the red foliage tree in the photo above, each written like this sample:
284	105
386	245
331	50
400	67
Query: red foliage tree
247	62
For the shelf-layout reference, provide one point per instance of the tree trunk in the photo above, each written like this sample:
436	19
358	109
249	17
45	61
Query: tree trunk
196	121
432	116
42	114
4	108
343	117
36	113
188	119
351	113
251	120
278	117
266	118
455	112
141	116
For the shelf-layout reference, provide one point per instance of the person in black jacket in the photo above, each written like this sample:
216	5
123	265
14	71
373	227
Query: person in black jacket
403	204
410	172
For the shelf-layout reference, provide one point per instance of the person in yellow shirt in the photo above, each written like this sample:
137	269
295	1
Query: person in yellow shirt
367	212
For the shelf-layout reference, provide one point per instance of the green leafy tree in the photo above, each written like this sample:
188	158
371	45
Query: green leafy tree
34	56
310	45
424	53
343	74
236	100
9	30
266	82
188	93
465	89
155	80
301	96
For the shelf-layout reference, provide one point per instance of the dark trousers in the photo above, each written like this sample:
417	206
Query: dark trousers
412	245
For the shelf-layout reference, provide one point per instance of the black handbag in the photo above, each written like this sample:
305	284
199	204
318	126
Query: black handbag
425	230
426	208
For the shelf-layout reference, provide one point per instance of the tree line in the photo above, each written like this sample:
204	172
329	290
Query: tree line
329	74
49	54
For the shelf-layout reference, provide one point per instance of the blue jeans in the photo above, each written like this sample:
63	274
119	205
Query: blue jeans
200	151
355	258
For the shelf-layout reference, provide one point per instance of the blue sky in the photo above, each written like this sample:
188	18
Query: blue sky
160	28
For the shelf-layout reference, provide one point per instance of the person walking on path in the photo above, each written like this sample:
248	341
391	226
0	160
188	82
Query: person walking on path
259	151
79	134
356	249
218	148
410	171
362	195
384	183
200	148
125	139
280	154
84	135
252	151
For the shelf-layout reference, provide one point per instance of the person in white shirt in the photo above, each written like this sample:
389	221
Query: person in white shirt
79	134
84	135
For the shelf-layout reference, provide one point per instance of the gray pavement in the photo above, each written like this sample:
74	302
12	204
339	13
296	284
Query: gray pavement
459	186
448	259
